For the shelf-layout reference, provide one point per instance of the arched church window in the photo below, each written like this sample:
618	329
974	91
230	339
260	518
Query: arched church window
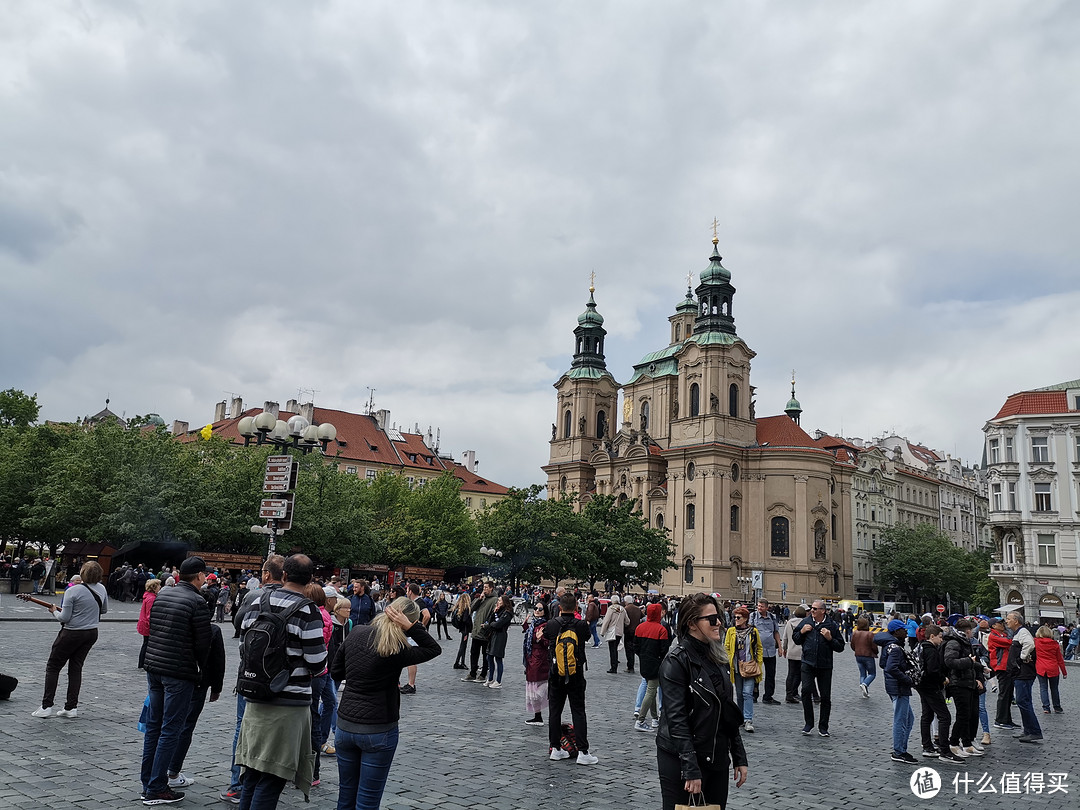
734	472
734	517
691	471
601	424
645	415
780	537
678	332
695	400
733	400
690	516
725	306
562	483
567	423
688	571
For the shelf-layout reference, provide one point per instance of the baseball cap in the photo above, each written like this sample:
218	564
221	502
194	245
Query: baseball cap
192	565
331	592
897	624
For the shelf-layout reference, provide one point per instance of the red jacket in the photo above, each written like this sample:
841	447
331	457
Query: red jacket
1049	660
143	625
998	646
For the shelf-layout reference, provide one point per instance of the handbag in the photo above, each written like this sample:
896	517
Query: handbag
749	669
697	802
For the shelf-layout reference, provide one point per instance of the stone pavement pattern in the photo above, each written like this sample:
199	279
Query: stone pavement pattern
466	746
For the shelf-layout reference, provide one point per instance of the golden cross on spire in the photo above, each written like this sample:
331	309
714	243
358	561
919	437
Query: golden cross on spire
715	226
592	282
689	280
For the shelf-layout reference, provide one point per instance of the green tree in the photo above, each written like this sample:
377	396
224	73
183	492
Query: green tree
442	532
921	562
17	409
617	533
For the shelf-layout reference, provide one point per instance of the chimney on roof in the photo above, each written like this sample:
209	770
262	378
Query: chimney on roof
271	407
219	411
855	440
237	407
292	406
429	439
382	416
307	410
179	428
469	461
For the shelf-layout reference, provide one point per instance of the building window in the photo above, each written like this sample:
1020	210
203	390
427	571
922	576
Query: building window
691	471
567	424
734	517
1009	449
733	400
601	424
483	503
370	475
1039	449
349	469
678	337
995	447
645	415
695	400
1042	498
688	571
1047	549
690	516
734	472
412	481
995	498
468	502
781	545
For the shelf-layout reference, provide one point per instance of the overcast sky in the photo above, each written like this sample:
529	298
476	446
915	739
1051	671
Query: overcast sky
200	199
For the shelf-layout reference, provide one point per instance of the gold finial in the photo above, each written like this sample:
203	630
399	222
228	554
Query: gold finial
689	280
715	226
793	382
592	282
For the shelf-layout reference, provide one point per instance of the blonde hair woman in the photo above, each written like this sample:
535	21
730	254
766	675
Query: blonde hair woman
462	621
370	662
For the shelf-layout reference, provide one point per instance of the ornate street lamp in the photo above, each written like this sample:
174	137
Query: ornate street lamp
296	434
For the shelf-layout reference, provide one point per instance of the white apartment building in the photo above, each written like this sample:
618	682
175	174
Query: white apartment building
1033	472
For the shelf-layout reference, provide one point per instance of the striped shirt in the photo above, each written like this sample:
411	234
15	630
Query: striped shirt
305	646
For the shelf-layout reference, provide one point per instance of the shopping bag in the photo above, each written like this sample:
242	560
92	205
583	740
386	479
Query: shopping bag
144	713
700	799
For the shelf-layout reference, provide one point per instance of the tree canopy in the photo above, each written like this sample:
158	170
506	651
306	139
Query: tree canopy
17	409
922	562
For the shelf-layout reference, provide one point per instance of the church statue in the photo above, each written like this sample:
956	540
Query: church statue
581	425
753	408
553	431
627	410
714	403
644	422
675	407
819	541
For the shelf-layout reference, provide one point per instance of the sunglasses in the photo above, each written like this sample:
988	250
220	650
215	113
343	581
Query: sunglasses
713	620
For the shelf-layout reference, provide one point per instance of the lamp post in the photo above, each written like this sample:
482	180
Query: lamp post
744	584
491	554
627	567
296	434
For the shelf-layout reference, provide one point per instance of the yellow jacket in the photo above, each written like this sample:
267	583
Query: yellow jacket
755	645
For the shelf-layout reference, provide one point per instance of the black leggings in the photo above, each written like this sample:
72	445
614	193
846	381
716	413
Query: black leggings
460	660
440	626
714	783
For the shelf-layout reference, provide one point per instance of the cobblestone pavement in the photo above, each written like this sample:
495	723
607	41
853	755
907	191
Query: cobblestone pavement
465	746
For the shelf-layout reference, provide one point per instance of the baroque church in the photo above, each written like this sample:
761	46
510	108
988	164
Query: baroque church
754	505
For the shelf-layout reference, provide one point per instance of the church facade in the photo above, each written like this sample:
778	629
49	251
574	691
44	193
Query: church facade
754	505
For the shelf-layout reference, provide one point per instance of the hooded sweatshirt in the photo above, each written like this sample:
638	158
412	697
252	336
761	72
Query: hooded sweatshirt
653	641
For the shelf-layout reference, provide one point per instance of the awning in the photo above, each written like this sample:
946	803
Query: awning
1051	613
1007	608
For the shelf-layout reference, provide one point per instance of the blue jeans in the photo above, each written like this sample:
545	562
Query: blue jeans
1022	693
323	706
198	701
170	699
867	669
595	638
234	779
363	765
261	790
902	721
1044	682
984	720
745	687
494	668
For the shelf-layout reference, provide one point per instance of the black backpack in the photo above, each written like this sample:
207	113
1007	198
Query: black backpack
264	665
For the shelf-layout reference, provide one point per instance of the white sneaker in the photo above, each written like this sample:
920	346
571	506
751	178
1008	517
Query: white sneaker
971	751
42	712
977	747
748	726
494	685
180	781
957	751
586	759
865	691
654	723
67	712
641	725
558	753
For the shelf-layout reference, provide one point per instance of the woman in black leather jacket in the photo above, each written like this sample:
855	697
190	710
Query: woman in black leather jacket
698	738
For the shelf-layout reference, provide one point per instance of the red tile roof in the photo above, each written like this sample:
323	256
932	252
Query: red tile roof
833	442
1035	402
781	431
471	482
924	454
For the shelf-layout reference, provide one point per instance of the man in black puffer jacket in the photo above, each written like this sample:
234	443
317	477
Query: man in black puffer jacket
176	654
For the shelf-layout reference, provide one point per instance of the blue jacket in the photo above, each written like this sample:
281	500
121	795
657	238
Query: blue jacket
895	664
912	628
817	652
362	609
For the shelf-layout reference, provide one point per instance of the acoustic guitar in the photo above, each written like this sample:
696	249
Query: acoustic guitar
28	598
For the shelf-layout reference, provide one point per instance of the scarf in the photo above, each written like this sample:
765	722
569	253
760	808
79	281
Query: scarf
531	626
743	644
